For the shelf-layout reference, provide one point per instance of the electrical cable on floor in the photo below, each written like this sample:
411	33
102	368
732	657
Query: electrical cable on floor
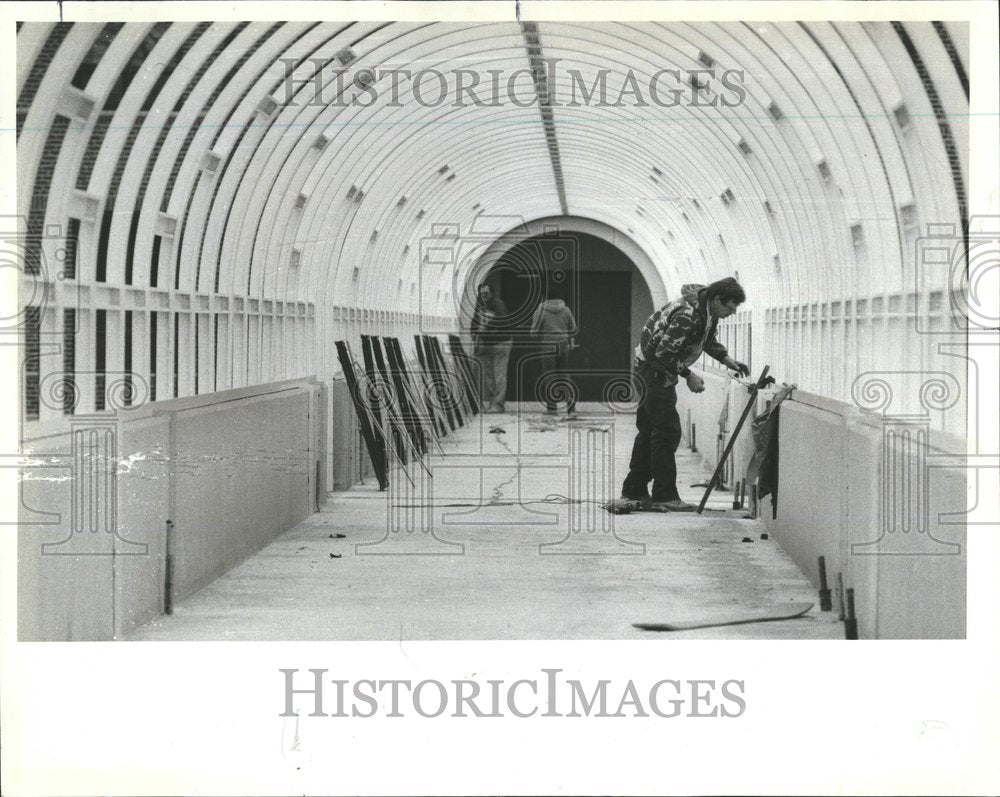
551	498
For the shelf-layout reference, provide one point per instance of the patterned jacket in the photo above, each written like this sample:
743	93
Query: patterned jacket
676	335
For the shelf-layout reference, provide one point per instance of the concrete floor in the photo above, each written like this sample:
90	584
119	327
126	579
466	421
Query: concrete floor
505	558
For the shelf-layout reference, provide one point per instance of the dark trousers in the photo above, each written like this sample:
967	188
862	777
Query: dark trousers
659	435
555	365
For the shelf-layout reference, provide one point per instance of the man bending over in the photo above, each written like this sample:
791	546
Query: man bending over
671	340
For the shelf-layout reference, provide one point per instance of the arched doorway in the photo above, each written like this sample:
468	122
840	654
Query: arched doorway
601	285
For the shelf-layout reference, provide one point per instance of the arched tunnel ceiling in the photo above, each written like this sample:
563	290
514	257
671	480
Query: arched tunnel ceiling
288	177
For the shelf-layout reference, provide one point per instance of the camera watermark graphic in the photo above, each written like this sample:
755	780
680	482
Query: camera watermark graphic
45	330
970	265
906	459
959	271
92	467
498	276
457	262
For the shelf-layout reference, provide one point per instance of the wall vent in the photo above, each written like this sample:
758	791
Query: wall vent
908	215
345	56
902	114
706	59
300	201
775	112
824	169
744	147
166	225
75	103
296	259
857	235
352	191
210	161
321	142
268	105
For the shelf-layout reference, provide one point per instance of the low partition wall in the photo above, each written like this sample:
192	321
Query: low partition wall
707	422
210	479
882	499
347	461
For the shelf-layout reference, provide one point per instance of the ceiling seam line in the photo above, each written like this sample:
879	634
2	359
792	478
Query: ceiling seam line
532	43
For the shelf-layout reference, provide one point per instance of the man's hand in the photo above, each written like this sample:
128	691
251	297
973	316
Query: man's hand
736	365
695	383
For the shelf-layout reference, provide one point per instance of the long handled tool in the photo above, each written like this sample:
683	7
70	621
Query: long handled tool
732	440
791	612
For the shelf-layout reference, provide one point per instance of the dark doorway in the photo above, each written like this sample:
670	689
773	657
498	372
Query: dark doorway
595	279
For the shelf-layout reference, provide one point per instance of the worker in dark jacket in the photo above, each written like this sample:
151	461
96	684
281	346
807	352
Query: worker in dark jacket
492	344
671	340
554	326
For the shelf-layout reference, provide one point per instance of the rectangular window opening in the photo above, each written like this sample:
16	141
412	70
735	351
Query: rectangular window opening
152	355
100	358
69	361
177	352
197	360
32	357
70	250
154	264
129	385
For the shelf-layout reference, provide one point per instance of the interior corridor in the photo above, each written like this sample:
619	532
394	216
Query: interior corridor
221	226
505	564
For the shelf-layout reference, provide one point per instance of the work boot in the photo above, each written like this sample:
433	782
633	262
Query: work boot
642	500
673	505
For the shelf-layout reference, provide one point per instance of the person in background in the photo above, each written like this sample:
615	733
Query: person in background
491	346
671	340
554	326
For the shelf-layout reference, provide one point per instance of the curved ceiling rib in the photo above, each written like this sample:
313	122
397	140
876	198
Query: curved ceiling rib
260	173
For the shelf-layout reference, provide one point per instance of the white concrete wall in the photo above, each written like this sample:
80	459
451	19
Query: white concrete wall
875	507
232	470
